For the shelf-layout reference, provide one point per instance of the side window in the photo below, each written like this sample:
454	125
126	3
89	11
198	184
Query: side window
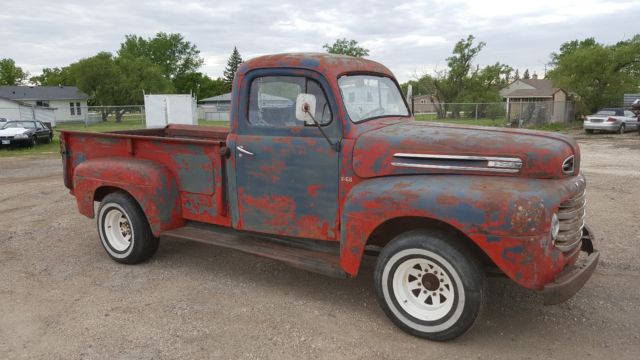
39	126
72	109
78	111
272	101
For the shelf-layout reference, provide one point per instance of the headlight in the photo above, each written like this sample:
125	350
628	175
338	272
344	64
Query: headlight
555	226
21	136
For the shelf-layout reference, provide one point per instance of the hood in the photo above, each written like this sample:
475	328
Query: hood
13	131
430	148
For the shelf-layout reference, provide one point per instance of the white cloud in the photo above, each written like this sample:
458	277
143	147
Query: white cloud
407	36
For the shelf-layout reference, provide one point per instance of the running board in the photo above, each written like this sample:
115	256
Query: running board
302	254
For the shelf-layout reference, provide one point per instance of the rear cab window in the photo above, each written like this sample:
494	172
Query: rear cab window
272	101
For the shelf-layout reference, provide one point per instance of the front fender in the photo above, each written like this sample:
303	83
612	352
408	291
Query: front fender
151	184
508	218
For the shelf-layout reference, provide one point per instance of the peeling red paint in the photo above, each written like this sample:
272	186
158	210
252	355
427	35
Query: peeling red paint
296	185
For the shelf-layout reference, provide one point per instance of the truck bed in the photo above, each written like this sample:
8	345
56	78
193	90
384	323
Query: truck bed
192	158
192	132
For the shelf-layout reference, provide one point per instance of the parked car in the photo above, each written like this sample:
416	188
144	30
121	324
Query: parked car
324	161
611	119
24	133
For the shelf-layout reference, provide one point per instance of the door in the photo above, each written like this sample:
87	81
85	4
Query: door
42	132
287	174
631	120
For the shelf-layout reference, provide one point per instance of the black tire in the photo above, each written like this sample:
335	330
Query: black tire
621	129
49	139
463	281
141	244
33	141
588	131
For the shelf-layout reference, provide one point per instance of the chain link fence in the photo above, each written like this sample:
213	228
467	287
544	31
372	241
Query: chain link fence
512	114
509	114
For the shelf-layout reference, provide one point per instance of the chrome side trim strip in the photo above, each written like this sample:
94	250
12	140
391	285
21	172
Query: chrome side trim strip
450	167
457	157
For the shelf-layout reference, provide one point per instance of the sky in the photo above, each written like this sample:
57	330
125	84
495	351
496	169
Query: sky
410	37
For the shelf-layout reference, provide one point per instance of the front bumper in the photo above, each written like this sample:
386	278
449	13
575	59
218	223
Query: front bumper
14	142
604	126
573	277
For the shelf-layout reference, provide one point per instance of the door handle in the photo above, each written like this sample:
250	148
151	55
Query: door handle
243	151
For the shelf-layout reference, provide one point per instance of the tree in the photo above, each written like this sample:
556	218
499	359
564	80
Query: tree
424	85
53	77
120	80
451	84
10	74
516	76
175	55
599	74
526	74
346	47
232	66
200	84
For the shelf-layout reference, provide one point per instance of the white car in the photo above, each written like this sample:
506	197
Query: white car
611	119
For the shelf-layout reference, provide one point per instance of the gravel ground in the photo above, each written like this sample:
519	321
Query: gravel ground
61	297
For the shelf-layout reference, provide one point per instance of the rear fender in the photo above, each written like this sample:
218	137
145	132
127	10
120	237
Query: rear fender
151	184
508	218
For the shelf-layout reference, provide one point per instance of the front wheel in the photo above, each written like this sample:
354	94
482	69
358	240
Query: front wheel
621	129
429	285
124	231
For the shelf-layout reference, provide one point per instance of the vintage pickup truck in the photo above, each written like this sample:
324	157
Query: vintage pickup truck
324	163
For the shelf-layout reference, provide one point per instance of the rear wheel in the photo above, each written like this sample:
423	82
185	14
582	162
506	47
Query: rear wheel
124	231
429	286
621	129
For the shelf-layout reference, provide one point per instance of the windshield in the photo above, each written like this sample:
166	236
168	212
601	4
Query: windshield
370	96
19	124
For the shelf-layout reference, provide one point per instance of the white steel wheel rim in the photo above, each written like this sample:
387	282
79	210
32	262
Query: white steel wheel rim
117	229
423	289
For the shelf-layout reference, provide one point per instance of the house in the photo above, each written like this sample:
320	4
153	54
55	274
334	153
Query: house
218	107
537	96
68	103
628	99
17	110
215	108
422	104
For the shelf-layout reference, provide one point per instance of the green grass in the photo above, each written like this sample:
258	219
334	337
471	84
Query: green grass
213	123
464	121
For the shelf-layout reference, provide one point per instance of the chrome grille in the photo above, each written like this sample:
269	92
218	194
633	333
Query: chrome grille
571	215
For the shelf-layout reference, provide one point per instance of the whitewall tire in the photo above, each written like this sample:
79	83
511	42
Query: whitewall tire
123	229
429	285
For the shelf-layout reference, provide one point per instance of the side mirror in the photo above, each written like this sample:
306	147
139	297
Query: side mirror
305	108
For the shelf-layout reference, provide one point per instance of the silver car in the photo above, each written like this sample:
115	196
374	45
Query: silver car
611	119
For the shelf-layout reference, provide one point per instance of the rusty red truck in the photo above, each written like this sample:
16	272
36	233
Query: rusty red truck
323	162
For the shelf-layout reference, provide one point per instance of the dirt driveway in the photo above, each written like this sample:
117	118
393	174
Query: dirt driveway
61	297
